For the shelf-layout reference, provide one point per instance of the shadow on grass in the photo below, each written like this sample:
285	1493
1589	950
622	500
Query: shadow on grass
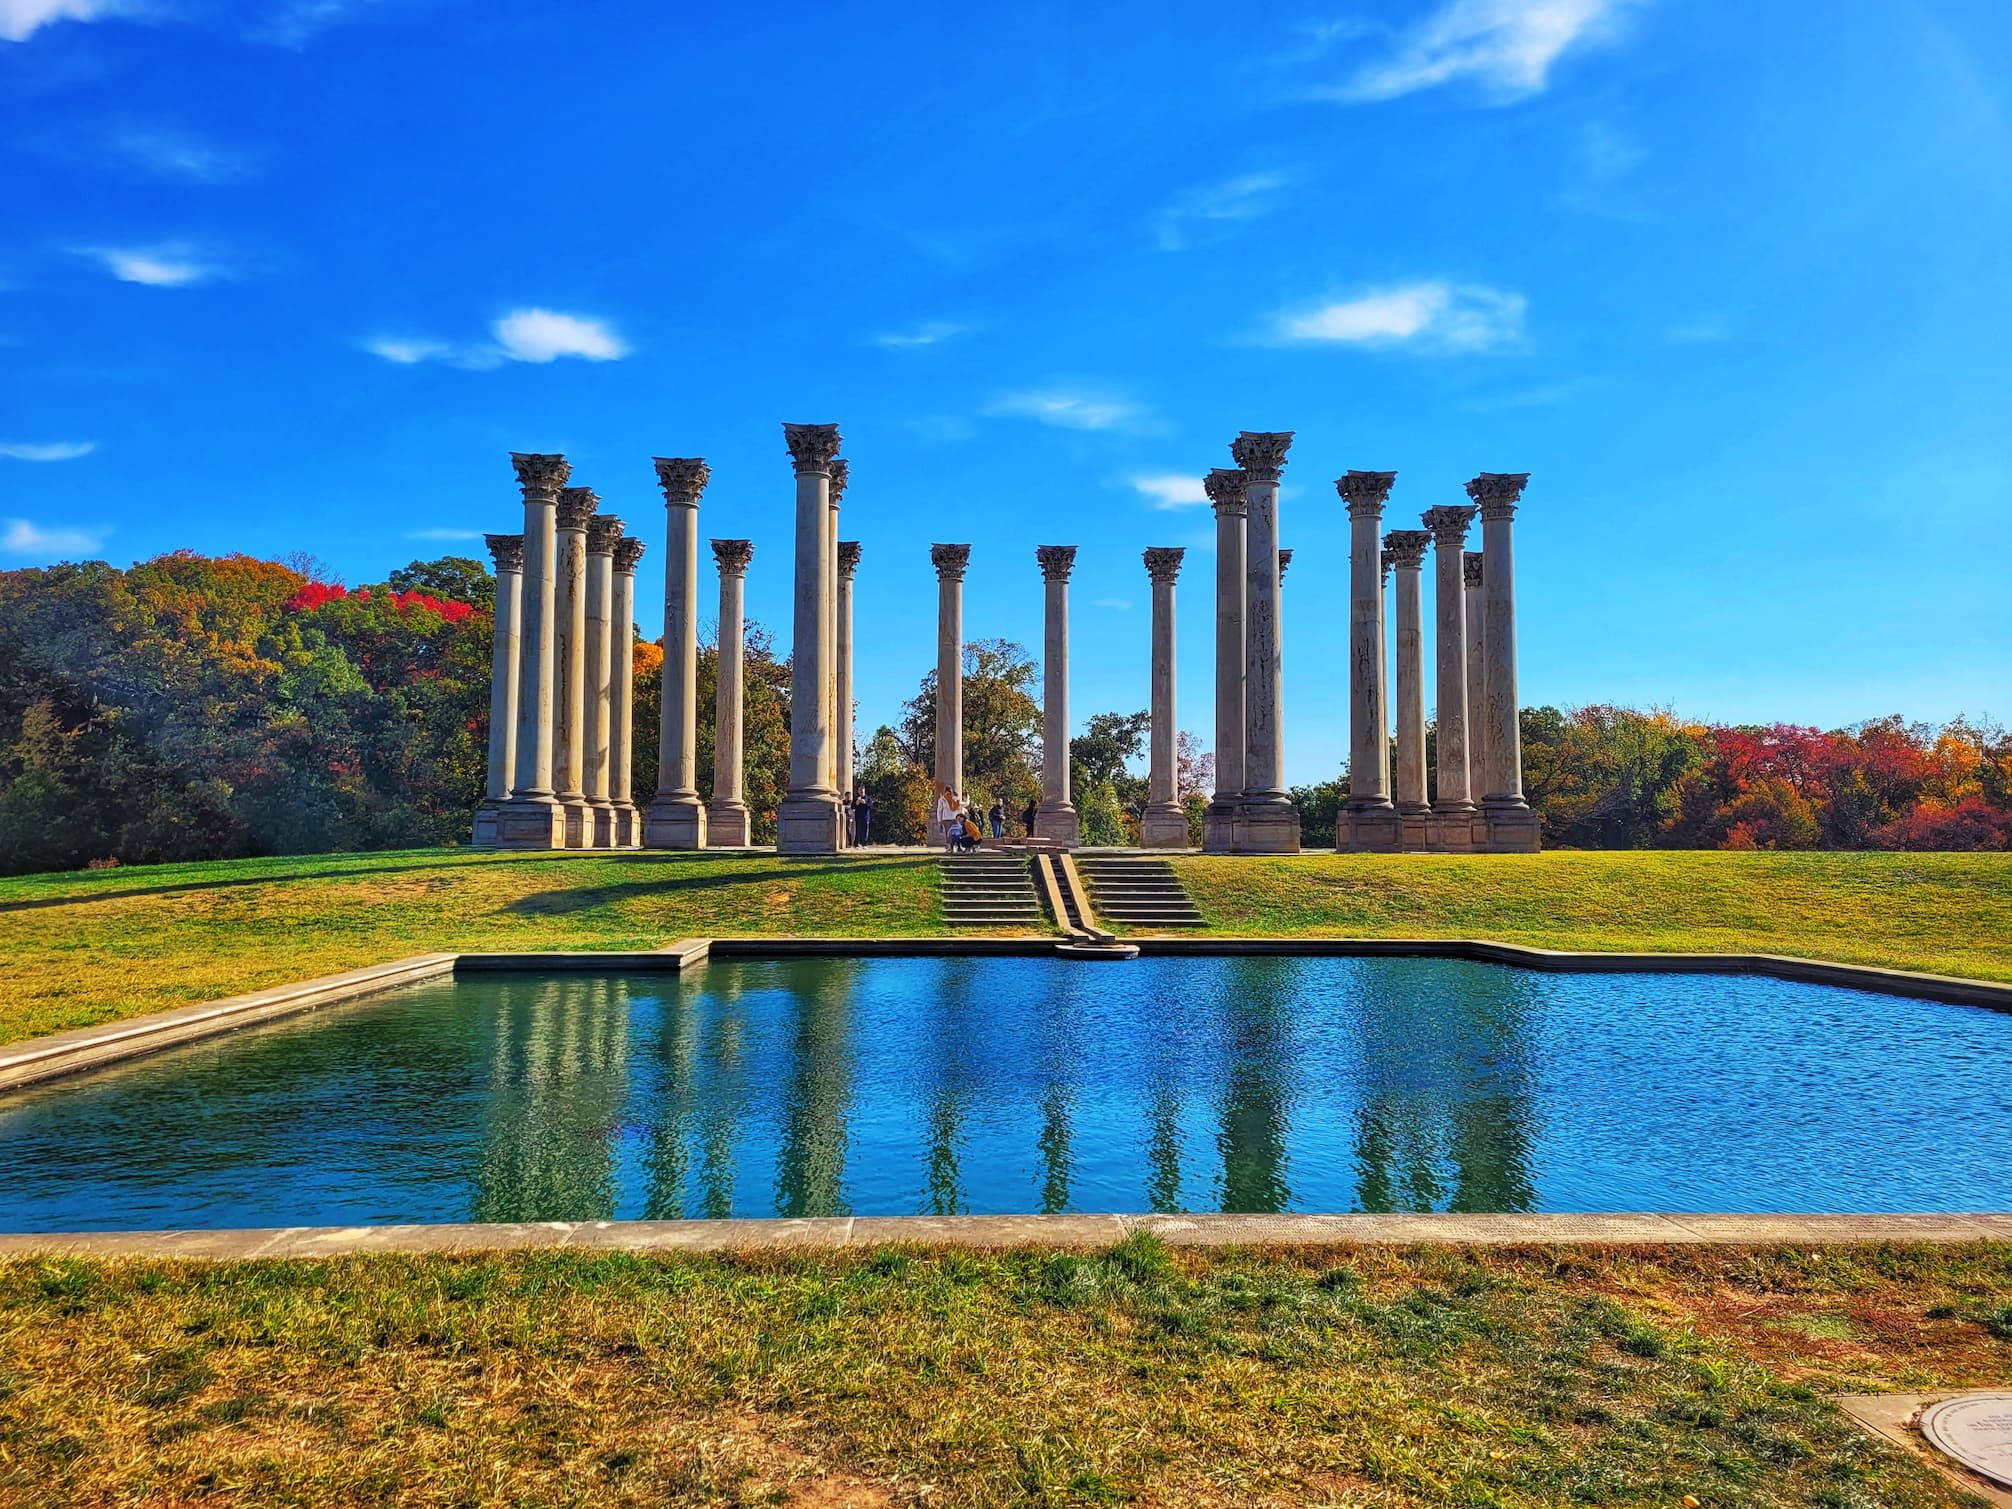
558	903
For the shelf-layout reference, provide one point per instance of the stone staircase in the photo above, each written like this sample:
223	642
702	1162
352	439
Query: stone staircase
1136	892
989	890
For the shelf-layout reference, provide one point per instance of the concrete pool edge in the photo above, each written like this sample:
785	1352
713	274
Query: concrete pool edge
835	1233
35	1060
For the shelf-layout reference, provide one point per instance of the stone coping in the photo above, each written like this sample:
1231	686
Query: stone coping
1057	1231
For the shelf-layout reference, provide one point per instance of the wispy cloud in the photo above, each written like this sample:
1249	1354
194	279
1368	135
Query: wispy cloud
1070	408
1167	490
180	156
523	335
21	537
1507	47
443	534
1603	161
167	264
1115	604
295	23
1432	315
21	19
928	333
59	450
1214	205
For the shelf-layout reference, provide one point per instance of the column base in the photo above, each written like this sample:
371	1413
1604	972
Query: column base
1511	827
1415	826
1268	828
1452	831
1059	821
675	822
729	825
532	823
628	826
1163	825
809	822
487	816
1220	828
1368	830
600	824
579	822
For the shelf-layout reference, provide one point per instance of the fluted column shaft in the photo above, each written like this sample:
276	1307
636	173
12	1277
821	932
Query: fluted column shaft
506	650
602	533
1226	488
1164	823
677	818
950	562
1472	572
622	695
1448	527
1270	823
808	821
727	818
1056	817
1407	547
1368	717
848	565
532	819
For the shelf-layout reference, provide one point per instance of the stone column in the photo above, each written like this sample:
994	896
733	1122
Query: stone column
1270	821
603	533
1056	817
508	552
848	567
840	474
727	817
809	820
569	660
1368	822
1512	826
1453	810
1164	824
622	714
532	818
1407	553
1471	574
1221	829
1383	697
677	818
950	562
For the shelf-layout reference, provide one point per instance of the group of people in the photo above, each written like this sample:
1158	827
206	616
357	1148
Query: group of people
962	825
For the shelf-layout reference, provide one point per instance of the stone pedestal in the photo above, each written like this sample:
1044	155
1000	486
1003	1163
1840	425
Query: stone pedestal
951	562
810	820
1368	820
1453	810
1512	827
1056	817
628	829
729	822
677	818
1406	548
1270	822
1227	490
532	817
569	658
1164	823
506	649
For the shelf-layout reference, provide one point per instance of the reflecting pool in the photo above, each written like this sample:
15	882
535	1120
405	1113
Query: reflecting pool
904	1086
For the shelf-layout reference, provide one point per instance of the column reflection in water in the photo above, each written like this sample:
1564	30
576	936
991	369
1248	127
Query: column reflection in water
950	1092
810	1163
1447	1118
558	1080
1163	1126
1256	1036
1057	1051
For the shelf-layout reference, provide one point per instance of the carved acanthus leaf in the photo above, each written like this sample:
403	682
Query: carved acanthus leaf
733	556
602	532
848	557
576	506
950	560
1163	564
811	446
841	473
537	473
1497	493
1284	560
1471	568
1057	561
1449	525
1365	492
1405	548
507	550
628	551
1261	453
1226	486
682	478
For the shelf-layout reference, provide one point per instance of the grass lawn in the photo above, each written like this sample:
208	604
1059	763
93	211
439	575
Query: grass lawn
1539	1377
91	947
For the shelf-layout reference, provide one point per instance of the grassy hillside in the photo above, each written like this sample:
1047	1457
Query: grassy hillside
88	947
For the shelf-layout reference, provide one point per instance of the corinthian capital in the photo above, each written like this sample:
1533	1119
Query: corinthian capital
539	474
1225	486
1057	561
507	550
576	506
1284	560
1405	548
682	478
603	530
1470	568
841	473
1365	492
1384	563
1261	453
733	556
627	552
1163	564
813	447
1497	493
950	561
848	558
1448	525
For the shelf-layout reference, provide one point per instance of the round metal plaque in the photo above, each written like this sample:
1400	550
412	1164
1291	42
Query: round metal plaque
1976	1431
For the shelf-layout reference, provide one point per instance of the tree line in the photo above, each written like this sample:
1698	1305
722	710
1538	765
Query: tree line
197	707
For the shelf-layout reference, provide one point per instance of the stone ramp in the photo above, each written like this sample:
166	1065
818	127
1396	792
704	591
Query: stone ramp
1137	892
989	890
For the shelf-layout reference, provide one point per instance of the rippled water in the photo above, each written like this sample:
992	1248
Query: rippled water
896	1086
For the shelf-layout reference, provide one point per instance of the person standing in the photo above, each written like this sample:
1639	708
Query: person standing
998	816
1027	817
862	815
947	816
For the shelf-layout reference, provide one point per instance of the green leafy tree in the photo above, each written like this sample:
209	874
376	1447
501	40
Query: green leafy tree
1002	724
456	578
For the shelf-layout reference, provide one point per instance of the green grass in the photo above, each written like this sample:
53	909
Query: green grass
1515	1379
84	948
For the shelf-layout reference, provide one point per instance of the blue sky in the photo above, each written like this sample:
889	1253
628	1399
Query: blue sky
1727	279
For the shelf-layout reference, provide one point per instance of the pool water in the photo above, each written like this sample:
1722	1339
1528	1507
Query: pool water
915	1086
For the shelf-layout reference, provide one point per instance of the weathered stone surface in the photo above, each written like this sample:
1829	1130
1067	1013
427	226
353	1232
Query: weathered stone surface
729	824
1227	489
1164	823
1056	817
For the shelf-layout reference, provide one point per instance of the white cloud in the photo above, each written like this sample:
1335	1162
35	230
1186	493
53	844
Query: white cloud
20	537
21	19
1431	315
443	534
295	23
167	153
60	450
1115	604
1170	490
406	352
1068	409
543	335
1245	198
928	333
1507	46
172	264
